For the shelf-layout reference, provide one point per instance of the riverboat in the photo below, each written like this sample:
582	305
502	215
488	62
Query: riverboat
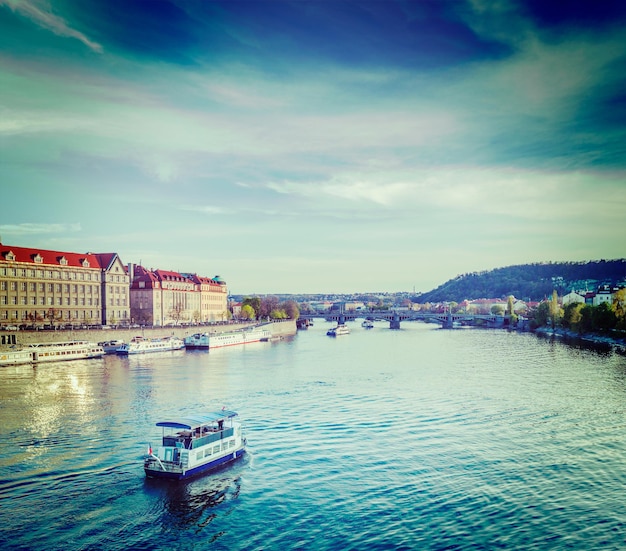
367	324
194	445
110	347
15	356
228	338
50	352
341	329
139	345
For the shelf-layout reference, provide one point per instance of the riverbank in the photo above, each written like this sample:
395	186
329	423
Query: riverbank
279	329
617	344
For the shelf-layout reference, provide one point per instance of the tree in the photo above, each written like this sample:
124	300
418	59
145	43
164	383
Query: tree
291	309
510	301
247	312
53	315
541	315
572	316
267	305
555	310
497	309
278	314
254	303
619	307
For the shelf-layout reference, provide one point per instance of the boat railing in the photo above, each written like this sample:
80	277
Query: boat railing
212	437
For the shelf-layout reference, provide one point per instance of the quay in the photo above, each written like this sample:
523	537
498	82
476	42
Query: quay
279	329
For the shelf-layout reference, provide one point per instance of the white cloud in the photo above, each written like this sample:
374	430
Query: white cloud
29	228
40	12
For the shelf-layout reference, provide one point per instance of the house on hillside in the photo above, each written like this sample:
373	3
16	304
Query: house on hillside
573	298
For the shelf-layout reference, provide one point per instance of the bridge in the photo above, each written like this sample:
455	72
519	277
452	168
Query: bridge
447	320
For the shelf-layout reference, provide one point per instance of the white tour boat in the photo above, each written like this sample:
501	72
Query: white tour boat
228	338
341	329
50	352
139	345
195	444
15	356
367	324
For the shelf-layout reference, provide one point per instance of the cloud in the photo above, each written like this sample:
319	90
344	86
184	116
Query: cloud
39	11
28	228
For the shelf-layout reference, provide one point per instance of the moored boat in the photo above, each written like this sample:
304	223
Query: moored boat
195	444
139	345
367	324
228	338
110	347
15	356
70	350
341	329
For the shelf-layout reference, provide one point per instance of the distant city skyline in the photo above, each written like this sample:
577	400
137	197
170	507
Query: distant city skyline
312	146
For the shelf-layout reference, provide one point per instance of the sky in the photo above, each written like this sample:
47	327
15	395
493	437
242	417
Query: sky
315	146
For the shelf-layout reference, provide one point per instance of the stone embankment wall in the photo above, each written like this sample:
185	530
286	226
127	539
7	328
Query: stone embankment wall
278	328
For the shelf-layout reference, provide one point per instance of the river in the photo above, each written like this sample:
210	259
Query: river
420	438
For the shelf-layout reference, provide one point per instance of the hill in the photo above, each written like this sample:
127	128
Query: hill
529	281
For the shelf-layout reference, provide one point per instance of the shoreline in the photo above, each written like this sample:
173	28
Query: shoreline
617	345
278	328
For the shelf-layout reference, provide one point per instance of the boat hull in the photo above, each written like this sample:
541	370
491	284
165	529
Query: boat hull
198	470
206	341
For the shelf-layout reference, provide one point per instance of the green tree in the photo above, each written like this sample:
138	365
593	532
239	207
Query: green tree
619	307
510	301
541	314
497	309
247	312
555	310
278	314
254	303
572	316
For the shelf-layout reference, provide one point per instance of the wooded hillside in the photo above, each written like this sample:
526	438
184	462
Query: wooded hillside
529	281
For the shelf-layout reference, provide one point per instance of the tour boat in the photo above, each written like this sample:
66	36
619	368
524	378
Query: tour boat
341	329
195	444
228	338
367	324
110	347
139	345
51	352
15	356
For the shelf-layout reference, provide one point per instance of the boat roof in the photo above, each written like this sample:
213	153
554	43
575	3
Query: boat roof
193	421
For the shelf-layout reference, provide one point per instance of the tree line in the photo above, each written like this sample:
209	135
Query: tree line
270	307
583	318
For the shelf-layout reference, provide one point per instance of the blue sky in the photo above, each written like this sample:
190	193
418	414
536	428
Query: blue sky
315	146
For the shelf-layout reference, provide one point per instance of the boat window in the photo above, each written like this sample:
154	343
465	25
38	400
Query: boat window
216	448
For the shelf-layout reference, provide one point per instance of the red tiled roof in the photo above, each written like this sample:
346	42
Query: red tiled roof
49	258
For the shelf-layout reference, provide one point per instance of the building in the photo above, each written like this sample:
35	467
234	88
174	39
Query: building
573	297
161	297
213	298
40	287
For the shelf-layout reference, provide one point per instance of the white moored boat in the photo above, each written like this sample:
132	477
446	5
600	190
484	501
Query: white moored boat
139	345
195	444
15	356
228	338
341	329
51	352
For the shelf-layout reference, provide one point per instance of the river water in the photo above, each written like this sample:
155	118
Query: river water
420	438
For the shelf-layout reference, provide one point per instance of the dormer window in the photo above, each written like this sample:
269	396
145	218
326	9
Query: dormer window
9	256
38	259
63	261
85	263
